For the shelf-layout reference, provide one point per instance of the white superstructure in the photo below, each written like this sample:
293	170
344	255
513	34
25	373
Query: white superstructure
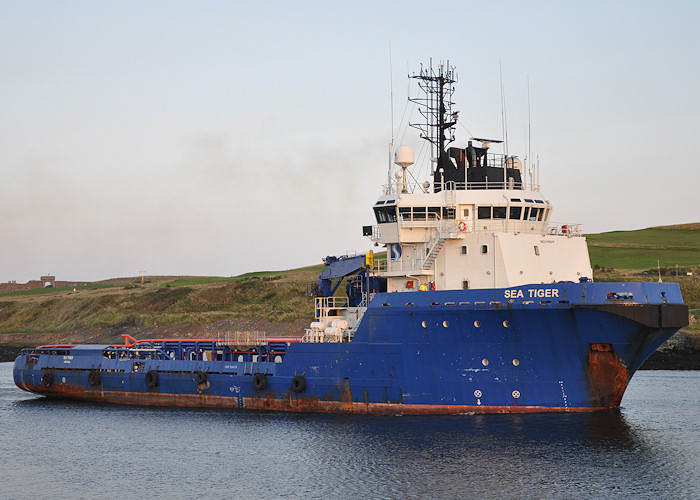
479	222
475	238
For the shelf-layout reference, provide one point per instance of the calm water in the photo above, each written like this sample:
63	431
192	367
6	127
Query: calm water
59	449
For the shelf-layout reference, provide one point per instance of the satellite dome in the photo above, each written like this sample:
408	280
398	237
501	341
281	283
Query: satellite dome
404	157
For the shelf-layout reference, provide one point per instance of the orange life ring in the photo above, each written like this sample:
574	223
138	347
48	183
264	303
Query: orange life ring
462	226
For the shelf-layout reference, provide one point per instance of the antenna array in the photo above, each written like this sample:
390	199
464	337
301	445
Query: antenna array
436	106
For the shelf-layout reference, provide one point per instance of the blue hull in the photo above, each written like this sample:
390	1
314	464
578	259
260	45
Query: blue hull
561	347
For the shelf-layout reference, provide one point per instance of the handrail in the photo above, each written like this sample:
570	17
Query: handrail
415	187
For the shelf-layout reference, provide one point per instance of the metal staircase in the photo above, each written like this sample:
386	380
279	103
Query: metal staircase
433	253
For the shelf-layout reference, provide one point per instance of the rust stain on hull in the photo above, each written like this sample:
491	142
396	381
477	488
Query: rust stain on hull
608	376
286	403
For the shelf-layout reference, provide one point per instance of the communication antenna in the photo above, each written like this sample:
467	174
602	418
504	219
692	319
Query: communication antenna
504	119
504	123
436	108
529	134
391	98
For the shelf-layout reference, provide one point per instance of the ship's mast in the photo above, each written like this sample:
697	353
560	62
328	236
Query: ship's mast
436	107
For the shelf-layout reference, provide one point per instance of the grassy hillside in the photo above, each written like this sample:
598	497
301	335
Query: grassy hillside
638	250
161	301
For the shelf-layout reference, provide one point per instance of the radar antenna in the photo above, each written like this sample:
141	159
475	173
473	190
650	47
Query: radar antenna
436	107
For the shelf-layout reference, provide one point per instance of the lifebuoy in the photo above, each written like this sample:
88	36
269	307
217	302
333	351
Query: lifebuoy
299	383
462	226
152	379
47	379
94	378
200	378
259	381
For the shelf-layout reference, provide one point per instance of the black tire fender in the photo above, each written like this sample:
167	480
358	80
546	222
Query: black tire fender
299	383
94	378
259	381
47	379
152	379
200	378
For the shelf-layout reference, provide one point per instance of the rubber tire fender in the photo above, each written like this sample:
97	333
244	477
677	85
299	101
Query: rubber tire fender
152	379
299	383
200	378
94	378
259	381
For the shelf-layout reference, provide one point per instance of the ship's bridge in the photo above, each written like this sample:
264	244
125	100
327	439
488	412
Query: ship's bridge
408	217
474	238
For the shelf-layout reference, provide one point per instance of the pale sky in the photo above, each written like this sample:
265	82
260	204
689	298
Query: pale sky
217	138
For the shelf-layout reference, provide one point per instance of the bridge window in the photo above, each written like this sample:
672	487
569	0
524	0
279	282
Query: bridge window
499	212
536	214
434	213
385	214
483	212
515	213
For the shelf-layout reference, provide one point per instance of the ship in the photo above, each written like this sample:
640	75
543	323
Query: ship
482	304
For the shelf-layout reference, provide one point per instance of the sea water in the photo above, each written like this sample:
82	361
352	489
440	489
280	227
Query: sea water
650	448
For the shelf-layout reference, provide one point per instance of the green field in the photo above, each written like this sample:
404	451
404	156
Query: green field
639	250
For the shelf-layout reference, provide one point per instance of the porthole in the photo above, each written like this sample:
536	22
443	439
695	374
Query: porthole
425	324
477	323
445	324
506	324
516	362
485	362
